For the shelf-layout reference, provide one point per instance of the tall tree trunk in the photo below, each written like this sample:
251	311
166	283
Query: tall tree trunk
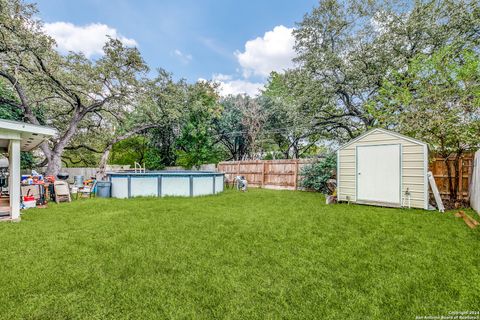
54	164
54	155
101	174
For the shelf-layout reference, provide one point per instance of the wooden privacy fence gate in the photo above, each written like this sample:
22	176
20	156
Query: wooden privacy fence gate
287	174
272	174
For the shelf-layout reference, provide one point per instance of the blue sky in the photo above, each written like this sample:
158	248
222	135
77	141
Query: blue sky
193	39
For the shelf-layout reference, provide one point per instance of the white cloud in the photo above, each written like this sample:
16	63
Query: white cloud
88	39
235	87
221	77
227	86
183	57
272	52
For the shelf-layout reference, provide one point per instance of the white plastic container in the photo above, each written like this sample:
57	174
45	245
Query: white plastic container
29	204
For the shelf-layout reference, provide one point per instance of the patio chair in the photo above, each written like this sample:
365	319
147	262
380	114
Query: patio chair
62	191
87	190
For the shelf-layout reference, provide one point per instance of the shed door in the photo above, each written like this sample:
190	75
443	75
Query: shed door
378	173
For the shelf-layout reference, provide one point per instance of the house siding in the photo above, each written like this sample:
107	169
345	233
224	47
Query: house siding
412	161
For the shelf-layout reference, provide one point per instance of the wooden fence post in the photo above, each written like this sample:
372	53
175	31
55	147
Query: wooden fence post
263	174
295	174
460	178
469	177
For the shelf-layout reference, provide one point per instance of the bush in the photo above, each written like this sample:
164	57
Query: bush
316	175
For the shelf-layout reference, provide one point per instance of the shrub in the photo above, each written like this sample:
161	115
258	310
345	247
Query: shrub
316	175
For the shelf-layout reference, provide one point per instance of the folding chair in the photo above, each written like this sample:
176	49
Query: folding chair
87	190
62	191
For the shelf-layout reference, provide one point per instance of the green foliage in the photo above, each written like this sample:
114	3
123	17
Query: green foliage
347	48
166	102
288	122
231	128
273	155
316	175
196	144
27	160
8	112
437	100
137	149
128	151
153	159
277	254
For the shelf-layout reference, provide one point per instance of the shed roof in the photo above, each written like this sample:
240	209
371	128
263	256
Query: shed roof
392	133
31	135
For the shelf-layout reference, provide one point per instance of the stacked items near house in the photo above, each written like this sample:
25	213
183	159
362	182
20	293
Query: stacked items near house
33	192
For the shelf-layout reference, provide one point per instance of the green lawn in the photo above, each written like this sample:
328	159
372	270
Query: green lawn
257	255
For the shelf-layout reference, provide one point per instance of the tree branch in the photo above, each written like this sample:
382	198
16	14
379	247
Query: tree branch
83	146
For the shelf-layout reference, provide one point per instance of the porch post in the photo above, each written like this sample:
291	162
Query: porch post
14	178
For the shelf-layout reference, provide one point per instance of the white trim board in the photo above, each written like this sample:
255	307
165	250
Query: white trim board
396	134
26	127
29	135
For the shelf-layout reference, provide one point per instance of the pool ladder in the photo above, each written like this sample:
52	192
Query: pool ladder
139	167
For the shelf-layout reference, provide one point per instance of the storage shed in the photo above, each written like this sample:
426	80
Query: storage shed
383	168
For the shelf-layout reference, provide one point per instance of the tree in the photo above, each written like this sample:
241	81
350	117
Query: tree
231	130
157	108
437	99
160	109
197	143
69	89
346	48
287	122
169	99
253	119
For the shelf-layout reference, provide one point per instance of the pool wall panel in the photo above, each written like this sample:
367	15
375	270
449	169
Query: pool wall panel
202	186
119	187
176	186
143	186
218	184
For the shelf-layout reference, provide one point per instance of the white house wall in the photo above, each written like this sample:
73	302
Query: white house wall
413	167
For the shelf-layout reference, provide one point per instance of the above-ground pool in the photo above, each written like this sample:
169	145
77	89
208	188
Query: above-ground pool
165	183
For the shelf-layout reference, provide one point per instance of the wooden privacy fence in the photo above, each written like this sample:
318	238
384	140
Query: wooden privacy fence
438	166
272	174
287	174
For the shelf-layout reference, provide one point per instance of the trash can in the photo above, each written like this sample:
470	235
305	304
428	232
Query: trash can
103	189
